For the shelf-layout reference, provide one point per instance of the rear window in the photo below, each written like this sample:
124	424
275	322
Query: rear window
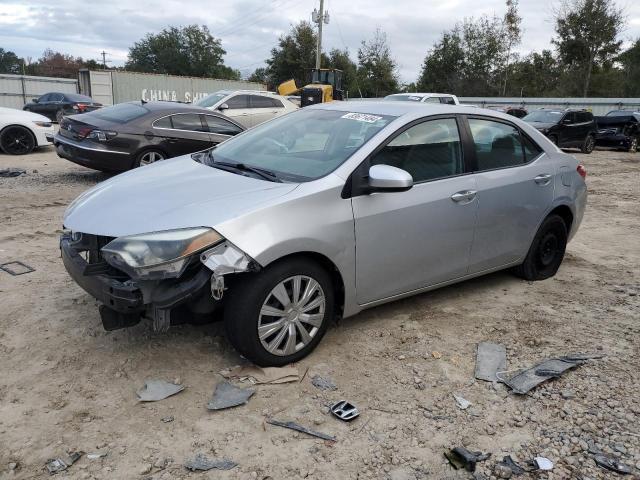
120	113
74	97
403	98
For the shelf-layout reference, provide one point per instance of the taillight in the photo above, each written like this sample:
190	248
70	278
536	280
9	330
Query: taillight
82	132
582	171
81	107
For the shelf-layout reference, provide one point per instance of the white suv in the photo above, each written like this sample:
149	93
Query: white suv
445	98
247	107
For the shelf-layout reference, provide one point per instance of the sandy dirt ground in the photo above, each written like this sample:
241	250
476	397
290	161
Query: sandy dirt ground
67	385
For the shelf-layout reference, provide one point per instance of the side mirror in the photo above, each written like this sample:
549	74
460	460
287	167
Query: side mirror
34	100
223	107
385	178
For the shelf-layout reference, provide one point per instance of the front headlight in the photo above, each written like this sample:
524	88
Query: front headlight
43	124
159	255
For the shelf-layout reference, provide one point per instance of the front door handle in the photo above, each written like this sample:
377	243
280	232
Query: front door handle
543	179
464	196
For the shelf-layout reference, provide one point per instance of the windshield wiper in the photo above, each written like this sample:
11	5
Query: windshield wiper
261	172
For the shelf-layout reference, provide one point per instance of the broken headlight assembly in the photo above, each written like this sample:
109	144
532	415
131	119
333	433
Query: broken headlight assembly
158	255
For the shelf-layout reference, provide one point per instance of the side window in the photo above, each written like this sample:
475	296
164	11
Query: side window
55	97
432	100
238	101
163	123
221	126
498	145
531	150
258	101
447	100
427	151
277	103
44	98
569	118
188	121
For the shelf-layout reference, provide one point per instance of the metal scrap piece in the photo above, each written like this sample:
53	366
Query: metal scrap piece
515	468
300	428
55	465
201	462
534	376
491	358
462	402
12	172
155	390
23	268
344	410
460	457
323	383
227	395
612	464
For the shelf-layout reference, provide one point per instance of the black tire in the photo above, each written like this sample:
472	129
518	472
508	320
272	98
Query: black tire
59	115
633	146
245	298
140	158
546	252
588	145
17	140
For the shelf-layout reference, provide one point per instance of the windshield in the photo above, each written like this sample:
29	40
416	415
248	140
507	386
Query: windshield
211	100
622	113
403	98
120	113
543	116
301	146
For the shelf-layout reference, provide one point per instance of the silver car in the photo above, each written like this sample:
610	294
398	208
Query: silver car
320	214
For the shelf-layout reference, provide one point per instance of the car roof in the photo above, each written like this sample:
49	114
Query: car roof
422	94
165	106
399	109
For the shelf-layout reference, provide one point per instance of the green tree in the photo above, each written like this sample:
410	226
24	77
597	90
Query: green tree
341	60
190	50
259	75
294	55
587	37
377	70
56	64
536	75
444	64
630	61
512	35
9	62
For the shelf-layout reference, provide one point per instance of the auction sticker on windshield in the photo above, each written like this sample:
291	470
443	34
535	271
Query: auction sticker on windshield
362	117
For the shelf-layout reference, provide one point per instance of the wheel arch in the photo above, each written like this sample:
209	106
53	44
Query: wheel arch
565	213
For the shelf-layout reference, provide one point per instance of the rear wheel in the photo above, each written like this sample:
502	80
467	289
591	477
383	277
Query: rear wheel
546	252
148	157
633	146
17	140
588	145
279	315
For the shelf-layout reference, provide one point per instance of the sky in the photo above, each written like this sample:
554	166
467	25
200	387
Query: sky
250	28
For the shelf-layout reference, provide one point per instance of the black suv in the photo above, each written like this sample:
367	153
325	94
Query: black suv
566	128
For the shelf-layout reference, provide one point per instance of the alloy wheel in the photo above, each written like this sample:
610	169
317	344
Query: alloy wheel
16	141
634	145
148	158
591	143
291	315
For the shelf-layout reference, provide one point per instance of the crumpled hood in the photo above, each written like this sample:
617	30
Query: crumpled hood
176	193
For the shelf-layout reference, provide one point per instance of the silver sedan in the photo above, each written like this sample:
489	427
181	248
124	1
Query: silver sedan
320	214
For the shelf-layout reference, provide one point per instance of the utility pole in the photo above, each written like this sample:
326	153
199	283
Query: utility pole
104	59
319	18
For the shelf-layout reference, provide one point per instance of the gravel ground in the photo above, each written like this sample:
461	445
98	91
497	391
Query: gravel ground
67	385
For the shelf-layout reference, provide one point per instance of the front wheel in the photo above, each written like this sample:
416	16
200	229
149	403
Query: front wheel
588	145
546	252
279	315
17	140
633	146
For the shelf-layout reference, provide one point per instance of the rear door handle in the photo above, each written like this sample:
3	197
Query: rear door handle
543	179
464	196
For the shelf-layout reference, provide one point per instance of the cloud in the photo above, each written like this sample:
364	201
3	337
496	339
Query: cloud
250	28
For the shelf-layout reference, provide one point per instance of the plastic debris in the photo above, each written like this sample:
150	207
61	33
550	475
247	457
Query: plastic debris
344	411
323	383
524	381
491	358
168	419
513	466
96	455
201	462
12	172
543	463
56	465
460	457
612	464
258	375
16	268
155	390
462	402
300	428
227	395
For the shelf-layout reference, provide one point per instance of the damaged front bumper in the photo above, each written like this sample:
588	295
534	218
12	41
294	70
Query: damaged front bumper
125	301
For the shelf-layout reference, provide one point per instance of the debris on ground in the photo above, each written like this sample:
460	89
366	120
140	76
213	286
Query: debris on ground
512	466
16	268
542	463
300	428
526	380
201	462
611	463
258	375
168	419
462	402
344	411
96	455
491	358
227	395
155	390
323	383
460	457
437	355
56	465
12	172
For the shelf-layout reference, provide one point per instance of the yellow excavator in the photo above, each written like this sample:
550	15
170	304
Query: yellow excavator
325	86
